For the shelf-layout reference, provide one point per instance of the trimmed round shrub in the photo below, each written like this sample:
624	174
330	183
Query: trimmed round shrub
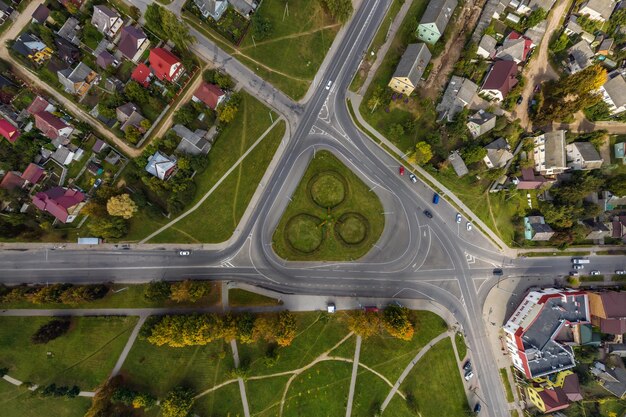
352	228
303	233
328	189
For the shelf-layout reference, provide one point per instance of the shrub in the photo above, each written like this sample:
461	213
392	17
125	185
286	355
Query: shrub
50	331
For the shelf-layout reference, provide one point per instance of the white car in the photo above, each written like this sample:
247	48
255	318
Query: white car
413	178
620	272
329	84
184	253
330	308
469	375
468	226
595	272
458	217
576	266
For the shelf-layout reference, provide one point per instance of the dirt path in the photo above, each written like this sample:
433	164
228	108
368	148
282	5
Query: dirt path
444	63
239	171
539	69
292	36
582	125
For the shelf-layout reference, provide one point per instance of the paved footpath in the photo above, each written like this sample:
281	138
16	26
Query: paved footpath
129	345
355	368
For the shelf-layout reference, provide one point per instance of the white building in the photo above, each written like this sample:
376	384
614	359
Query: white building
614	93
549	153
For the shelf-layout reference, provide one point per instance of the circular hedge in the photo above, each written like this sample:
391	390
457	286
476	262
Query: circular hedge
352	228
327	189
303	234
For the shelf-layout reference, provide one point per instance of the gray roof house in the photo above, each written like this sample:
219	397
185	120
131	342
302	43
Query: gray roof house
410	69
192	143
459	93
63	155
133	42
79	80
458	164
211	8
580	56
487	47
128	115
435	19
572	27
599	10
498	154
244	7
106	20
614	93
105	59
549	153
612	379
536	229
161	166
597	231
69	31
583	156
481	122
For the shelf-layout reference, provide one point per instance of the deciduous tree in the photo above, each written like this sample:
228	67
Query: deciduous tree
178	403
397	323
364	323
121	206
421	154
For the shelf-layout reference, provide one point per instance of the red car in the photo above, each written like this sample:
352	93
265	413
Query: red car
401	170
371	309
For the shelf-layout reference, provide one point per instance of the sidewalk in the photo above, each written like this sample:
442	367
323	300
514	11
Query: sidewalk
355	100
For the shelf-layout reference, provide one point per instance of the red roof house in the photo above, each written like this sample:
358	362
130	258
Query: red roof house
10	132
501	79
51	126
209	94
11	181
142	74
33	173
166	65
62	203
39	104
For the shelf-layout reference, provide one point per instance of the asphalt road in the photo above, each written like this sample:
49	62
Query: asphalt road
416	257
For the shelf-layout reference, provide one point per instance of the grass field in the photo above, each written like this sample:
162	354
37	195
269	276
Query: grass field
507	386
123	296
20	402
307	231
84	356
461	347
241	298
225	401
264	395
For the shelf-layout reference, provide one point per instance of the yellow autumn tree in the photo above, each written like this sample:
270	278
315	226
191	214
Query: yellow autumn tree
121	206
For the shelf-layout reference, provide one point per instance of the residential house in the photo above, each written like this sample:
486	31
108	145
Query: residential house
410	68
63	155
192	143
480	123
52	127
142	74
74	3
572	27
133	43
597	231
209	94
608	311
106	20
8	131
99	146
459	93
549	153
605	200
458	164
580	57
533	331
31	47
536	33
165	65
611	379
500	81
618	228
161	166
129	115
63	203
515	48
94	168
33	174
600	10
529	180
12	180
614	92
536	229
105	59
553	394
487	47
435	19
79	80
244	7
583	156
605	48
5	12
527	6
498	154
66	50
620	152
212	8
41	14
40	104
69	31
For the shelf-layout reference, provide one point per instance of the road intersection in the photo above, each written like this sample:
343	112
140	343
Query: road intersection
416	257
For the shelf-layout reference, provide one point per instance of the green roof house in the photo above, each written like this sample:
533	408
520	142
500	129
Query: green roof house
435	20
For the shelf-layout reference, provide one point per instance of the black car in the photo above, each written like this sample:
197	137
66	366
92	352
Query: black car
498	272
467	366
428	214
477	408
520	99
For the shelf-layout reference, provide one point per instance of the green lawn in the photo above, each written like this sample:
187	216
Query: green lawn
20	402
264	395
319	391
369	394
389	356
84	356
346	349
461	347
159	369
241	298
123	296
225	401
436	384
507	386
307	231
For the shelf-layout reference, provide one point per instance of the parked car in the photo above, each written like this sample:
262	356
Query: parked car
458	217
401	170
330	308
574	274
477	408
520	99
413	178
580	261
371	309
595	272
620	272
467	366
469	375
577	266
498	272
435	198
184	253
428	214
468	226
